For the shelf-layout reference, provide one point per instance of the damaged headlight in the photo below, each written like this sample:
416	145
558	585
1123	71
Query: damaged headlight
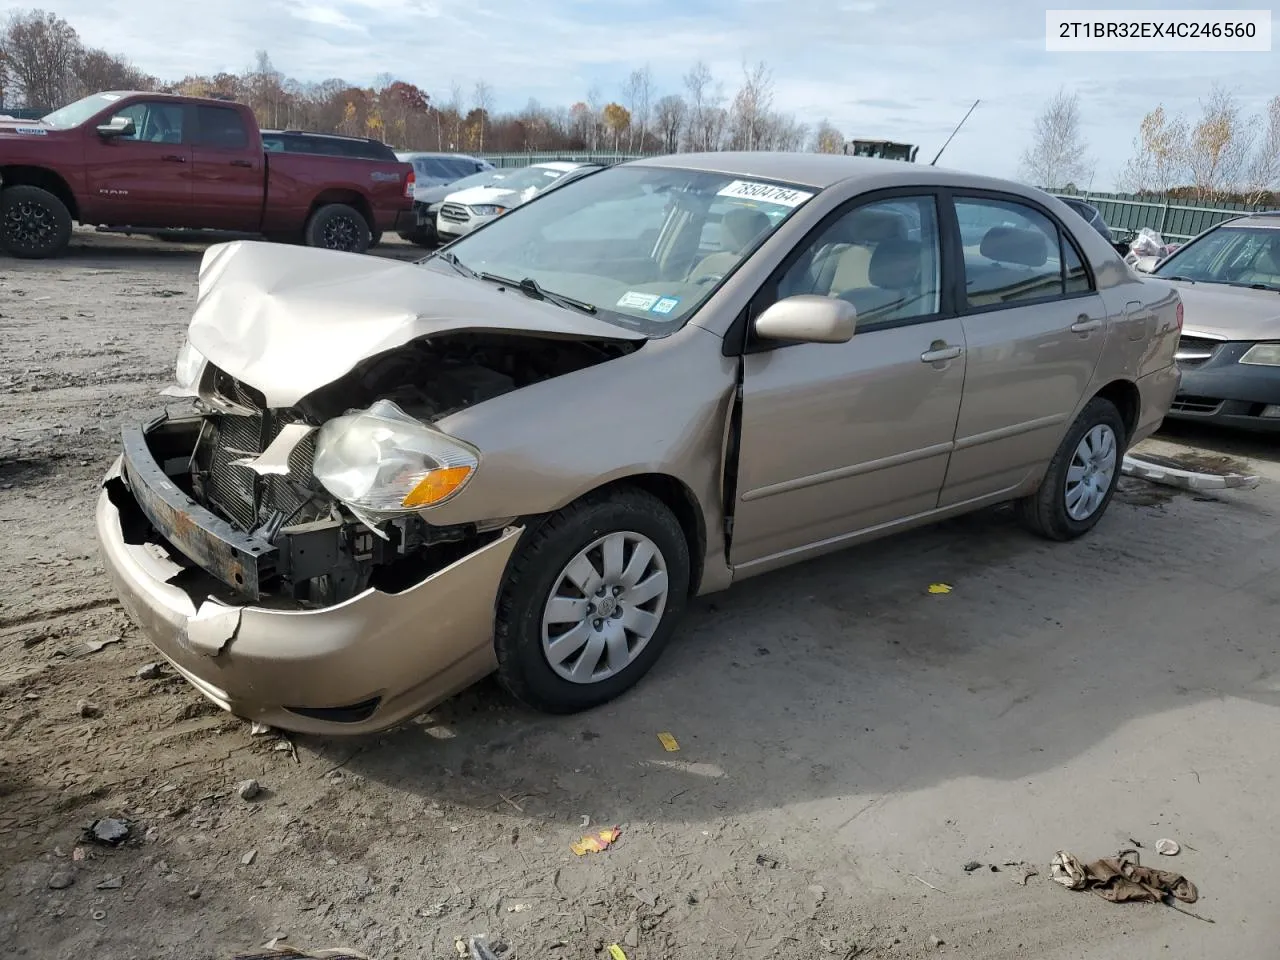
384	461
190	362
1263	354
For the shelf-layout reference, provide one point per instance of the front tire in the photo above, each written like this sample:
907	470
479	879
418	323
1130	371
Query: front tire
336	226
590	600
1082	475
34	224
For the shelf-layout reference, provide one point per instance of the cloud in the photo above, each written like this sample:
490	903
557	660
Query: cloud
906	70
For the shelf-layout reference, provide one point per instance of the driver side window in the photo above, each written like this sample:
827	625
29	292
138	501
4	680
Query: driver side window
154	122
883	257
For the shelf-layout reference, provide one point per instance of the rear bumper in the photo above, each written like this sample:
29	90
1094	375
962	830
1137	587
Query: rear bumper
393	219
355	667
1156	392
1226	392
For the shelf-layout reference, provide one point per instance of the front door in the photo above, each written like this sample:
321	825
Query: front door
144	179
842	438
1034	327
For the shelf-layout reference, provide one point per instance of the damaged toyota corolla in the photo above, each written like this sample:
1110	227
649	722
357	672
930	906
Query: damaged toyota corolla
378	482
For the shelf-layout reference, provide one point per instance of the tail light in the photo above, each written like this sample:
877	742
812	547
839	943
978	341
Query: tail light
408	185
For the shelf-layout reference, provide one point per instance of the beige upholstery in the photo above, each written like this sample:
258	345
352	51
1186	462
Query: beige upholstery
738	230
844	261
1266	265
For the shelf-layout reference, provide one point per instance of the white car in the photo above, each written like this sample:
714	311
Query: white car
467	209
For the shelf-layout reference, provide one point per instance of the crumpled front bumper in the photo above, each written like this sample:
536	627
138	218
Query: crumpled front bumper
355	667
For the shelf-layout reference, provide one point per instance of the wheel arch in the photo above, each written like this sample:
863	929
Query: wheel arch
352	198
1127	399
44	178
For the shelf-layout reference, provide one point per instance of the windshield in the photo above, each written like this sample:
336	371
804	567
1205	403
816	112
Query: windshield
74	114
645	246
483	178
537	177
1238	255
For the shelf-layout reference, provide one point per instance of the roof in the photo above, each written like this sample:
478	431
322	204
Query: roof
1263	218
564	166
822	170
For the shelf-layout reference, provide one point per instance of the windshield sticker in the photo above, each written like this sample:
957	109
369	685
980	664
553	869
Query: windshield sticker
637	301
665	305
32	131
768	192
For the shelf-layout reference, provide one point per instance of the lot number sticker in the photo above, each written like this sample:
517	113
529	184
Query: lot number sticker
767	192
637	301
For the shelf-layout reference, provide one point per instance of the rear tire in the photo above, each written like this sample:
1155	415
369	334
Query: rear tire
1082	475
336	226
34	224
614	627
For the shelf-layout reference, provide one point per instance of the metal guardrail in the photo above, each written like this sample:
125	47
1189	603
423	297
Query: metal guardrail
574	156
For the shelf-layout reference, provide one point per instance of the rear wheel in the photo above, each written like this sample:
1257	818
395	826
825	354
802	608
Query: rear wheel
337	226
1082	476
34	223
590	601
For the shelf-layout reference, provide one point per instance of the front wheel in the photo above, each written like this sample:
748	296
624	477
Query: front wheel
1082	475
34	224
336	226
590	601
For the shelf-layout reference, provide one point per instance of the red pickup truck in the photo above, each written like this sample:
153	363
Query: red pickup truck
155	161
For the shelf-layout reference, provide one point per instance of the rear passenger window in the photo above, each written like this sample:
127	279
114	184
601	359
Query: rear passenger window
221	127
1013	253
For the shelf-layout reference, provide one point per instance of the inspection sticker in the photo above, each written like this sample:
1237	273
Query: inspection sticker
32	131
665	305
637	301
768	192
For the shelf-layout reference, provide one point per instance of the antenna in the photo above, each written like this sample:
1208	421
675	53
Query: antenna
934	161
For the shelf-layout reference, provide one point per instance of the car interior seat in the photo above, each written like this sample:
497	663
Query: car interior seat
843	262
1266	265
739	229
1015	253
893	282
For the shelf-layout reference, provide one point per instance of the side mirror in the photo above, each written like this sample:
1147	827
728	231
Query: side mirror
808	319
1145	264
117	126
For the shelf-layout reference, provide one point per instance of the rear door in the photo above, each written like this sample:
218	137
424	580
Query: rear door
1034	327
227	170
144	179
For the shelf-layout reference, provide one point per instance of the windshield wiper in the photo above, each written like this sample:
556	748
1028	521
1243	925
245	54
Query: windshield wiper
451	258
530	288
1180	277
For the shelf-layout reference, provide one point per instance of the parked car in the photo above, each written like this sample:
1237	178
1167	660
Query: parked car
157	162
469	209
427	201
1093	216
435	169
1229	353
528	451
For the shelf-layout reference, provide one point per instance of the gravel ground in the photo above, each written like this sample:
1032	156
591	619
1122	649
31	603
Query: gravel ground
848	741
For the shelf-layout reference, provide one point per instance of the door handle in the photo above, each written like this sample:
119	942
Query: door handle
174	158
242	163
1085	324
939	351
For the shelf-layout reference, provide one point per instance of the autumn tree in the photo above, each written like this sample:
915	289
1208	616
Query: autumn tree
617	120
97	70
40	50
1263	176
827	139
1159	156
482	100
1218	145
1057	155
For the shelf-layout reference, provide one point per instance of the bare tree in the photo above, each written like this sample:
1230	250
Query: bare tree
482	101
40	50
827	139
1057	155
704	97
1160	154
593	116
96	70
1218	145
455	108
750	113
669	116
1263	176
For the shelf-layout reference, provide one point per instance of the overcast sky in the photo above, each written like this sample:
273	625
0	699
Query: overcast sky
896	69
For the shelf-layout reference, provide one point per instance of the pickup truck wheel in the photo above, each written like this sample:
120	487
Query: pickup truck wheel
1082	476
337	226
589	601
34	223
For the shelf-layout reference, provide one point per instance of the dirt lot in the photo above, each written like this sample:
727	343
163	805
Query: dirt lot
848	741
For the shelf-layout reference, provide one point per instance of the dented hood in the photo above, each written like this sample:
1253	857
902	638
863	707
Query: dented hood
288	320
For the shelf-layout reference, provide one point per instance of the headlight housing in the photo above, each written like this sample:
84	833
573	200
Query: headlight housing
1263	354
189	366
487	209
384	462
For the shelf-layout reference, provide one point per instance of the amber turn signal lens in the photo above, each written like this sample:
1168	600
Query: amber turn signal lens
436	485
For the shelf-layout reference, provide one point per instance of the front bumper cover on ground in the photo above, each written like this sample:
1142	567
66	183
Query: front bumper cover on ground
356	667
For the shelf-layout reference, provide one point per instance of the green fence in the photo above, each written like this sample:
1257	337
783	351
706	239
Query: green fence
1172	219
579	156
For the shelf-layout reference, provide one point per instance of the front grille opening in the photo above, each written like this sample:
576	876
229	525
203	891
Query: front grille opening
1193	404
355	713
